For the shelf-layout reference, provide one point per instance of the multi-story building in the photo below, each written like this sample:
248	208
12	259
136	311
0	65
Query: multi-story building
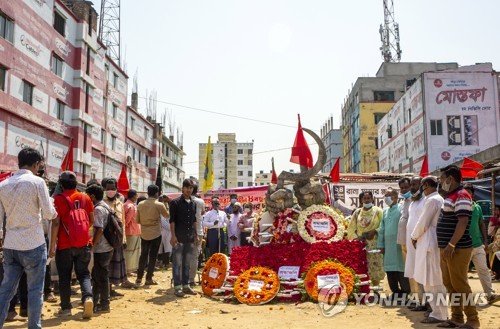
446	115
367	102
58	86
263	178
332	139
172	157
232	162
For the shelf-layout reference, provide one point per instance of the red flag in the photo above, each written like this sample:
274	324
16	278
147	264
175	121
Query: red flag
326	190
67	163
4	176
424	171
123	185
335	173
470	168
301	154
274	177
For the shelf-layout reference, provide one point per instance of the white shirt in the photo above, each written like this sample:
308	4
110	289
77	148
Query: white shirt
427	258
212	216
25	199
233	228
200	210
414	211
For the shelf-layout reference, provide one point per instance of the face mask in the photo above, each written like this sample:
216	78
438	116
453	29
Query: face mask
368	205
233	201
388	201
406	195
446	186
111	194
248	210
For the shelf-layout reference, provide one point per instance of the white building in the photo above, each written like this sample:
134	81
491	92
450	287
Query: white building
447	115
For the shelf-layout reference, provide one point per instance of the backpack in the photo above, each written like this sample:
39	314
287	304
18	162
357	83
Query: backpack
113	232
78	223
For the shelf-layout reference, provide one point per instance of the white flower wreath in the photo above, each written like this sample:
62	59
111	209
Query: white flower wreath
305	220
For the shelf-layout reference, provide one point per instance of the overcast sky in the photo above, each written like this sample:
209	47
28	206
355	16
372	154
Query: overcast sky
272	59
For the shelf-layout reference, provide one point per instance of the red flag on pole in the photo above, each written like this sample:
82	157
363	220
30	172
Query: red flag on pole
123	185
326	190
301	154
424	171
4	176
470	168
67	163
274	177
335	173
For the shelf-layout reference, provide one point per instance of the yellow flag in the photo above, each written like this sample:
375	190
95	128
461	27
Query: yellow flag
208	176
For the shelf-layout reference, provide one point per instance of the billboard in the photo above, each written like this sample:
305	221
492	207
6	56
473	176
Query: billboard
461	115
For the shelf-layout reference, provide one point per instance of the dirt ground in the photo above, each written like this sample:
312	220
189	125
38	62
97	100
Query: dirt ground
157	307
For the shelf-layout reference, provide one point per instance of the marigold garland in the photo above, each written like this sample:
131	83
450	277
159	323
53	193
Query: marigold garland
214	273
327	267
305	226
257	285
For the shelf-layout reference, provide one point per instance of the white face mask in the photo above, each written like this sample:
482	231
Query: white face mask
388	201
368	205
445	186
111	194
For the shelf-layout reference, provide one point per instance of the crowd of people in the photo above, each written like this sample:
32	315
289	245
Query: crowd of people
423	241
425	244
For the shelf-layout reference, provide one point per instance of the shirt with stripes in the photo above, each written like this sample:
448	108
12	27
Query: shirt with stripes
458	203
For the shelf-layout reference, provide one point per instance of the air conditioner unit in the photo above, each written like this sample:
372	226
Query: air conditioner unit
129	160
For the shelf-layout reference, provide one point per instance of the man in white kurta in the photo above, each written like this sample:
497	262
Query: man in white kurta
233	230
427	259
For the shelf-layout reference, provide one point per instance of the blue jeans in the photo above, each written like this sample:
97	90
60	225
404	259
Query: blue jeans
33	262
182	255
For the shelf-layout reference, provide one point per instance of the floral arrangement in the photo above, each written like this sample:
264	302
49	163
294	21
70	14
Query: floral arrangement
325	268
257	285
320	223
283	223
350	253
214	273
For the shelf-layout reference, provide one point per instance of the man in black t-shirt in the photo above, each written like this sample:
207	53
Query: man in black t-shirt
182	226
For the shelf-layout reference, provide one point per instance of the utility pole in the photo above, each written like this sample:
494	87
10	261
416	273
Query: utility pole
389	34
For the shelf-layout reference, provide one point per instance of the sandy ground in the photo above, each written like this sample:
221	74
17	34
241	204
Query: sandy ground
157	307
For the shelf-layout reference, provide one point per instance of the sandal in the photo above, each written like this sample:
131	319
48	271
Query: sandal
448	324
431	320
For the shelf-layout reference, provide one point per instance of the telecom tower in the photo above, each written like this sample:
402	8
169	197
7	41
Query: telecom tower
109	28
389	34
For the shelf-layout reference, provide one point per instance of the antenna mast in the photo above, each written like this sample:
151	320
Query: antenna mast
389	34
109	29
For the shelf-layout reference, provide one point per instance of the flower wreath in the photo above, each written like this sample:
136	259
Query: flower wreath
257	285
320	223
328	267
214	273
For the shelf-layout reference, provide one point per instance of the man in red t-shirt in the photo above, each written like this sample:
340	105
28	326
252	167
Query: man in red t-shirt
74	243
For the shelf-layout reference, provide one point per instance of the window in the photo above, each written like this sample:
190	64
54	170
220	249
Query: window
146	133
140	157
240	162
115	80
250	151
240	184
383	96
436	127
133	154
115	111
27	92
6	28
409	115
59	23
57	65
146	160
60	110
249	162
250	173
240	151
240	173
3	78
113	142
250	183
389	132
132	123
103	135
378	117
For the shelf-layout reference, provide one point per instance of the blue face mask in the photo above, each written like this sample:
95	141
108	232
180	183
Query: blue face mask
368	205
406	195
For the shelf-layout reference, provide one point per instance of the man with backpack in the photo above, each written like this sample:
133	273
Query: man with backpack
148	215
71	235
103	250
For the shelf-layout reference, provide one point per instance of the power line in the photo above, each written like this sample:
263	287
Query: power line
223	114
